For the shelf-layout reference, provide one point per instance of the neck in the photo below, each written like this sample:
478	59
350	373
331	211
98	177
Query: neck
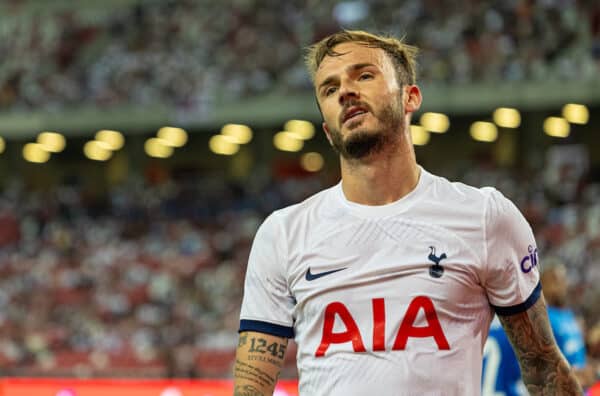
383	177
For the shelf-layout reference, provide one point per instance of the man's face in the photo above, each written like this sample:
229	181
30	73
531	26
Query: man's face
360	99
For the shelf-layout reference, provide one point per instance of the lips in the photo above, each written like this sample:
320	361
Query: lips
353	112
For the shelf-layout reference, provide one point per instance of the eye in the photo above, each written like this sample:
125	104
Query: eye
330	90
365	76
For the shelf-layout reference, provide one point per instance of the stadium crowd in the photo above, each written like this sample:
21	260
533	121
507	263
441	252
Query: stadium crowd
139	278
187	54
145	279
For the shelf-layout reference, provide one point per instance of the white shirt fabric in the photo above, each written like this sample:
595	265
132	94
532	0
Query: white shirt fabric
383	258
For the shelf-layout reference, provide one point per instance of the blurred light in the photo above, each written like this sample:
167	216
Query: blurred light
52	141
312	162
304	129
507	118
576	113
224	145
241	133
113	139
158	148
484	131
435	122
97	151
66	392
420	136
174	137
556	127
287	141
349	12
34	152
171	391
2	145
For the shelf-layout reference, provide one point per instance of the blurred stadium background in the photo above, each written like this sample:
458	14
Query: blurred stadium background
123	252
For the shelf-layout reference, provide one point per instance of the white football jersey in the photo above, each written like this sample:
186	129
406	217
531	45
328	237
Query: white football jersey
394	299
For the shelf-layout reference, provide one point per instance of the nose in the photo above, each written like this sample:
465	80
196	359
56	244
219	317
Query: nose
348	91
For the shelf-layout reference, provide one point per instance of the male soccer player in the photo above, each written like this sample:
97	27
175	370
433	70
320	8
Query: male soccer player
388	281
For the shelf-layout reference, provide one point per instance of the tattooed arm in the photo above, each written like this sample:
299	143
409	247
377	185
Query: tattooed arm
544	369
259	358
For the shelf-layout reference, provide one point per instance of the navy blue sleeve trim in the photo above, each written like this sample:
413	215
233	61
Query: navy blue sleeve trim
265	327
524	306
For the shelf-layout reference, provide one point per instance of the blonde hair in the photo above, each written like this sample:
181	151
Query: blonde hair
402	55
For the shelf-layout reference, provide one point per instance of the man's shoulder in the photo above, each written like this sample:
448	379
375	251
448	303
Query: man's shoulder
459	193
315	201
461	206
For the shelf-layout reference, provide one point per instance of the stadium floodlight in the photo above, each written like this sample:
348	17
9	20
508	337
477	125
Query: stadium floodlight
174	137
304	130
2	145
576	113
483	131
223	145
241	133
312	161
557	127
97	150
113	139
158	148
52	142
288	141
34	152
506	117
420	136
435	122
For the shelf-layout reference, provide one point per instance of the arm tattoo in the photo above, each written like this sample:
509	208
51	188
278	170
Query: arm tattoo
246	390
254	374
545	371
260	365
243	339
272	353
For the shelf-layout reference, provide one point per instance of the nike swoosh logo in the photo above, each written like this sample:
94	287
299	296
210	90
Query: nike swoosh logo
311	277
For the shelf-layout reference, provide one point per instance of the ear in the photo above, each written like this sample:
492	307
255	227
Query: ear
326	130
412	98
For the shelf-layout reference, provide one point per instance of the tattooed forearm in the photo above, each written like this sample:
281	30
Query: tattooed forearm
246	390
254	374
545	371
259	359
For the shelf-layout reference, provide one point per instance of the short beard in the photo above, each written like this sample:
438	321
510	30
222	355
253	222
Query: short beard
359	145
362	144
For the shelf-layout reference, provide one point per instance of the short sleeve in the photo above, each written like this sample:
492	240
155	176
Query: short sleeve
512	279
267	305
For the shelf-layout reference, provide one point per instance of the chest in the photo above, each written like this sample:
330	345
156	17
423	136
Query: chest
389	260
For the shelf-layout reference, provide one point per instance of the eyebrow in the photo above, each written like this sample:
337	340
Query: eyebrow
354	67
